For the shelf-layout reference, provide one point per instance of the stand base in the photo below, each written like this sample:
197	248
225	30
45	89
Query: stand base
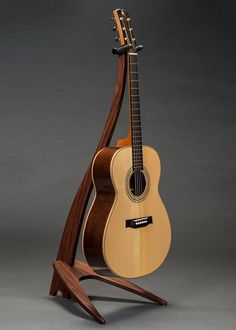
68	279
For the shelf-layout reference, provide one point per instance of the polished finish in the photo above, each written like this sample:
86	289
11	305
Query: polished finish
70	237
126	182
72	276
68	272
107	242
99	212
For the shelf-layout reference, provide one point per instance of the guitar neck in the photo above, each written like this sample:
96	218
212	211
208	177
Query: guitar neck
135	114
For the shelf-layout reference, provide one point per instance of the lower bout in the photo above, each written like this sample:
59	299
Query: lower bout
136	252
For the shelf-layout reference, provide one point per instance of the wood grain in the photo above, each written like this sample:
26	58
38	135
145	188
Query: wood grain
70	237
95	223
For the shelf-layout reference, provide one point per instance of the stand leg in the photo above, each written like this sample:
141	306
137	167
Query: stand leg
128	286
71	277
71	283
82	268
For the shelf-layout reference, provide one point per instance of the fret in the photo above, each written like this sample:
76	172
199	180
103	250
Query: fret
135	75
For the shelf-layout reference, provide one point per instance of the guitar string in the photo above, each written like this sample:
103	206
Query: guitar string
132	151
136	155
137	151
137	174
129	35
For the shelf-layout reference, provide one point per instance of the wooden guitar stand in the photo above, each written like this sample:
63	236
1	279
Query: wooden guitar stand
68	272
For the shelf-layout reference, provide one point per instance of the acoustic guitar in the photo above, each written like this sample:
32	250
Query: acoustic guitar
127	230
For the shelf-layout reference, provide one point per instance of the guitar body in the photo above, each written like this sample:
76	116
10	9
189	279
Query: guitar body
130	235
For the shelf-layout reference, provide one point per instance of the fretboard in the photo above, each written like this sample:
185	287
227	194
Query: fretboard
134	102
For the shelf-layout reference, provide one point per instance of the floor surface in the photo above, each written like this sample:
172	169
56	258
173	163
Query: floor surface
200	293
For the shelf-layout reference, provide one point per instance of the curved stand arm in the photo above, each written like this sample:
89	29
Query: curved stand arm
70	237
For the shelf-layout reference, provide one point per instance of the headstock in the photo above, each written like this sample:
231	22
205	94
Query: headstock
125	33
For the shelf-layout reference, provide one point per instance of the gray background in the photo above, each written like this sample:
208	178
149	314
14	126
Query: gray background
56	81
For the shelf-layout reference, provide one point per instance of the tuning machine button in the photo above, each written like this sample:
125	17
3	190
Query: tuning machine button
116	39
139	48
114	28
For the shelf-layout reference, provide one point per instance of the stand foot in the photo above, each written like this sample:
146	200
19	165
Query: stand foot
71	283
69	280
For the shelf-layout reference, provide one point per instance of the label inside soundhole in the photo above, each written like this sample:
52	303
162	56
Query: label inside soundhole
137	184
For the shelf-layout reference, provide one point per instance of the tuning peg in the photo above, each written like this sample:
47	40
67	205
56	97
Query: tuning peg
116	39
111	18
121	49
138	48
114	28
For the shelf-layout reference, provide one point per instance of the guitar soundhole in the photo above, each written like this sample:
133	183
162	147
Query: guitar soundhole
137	183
